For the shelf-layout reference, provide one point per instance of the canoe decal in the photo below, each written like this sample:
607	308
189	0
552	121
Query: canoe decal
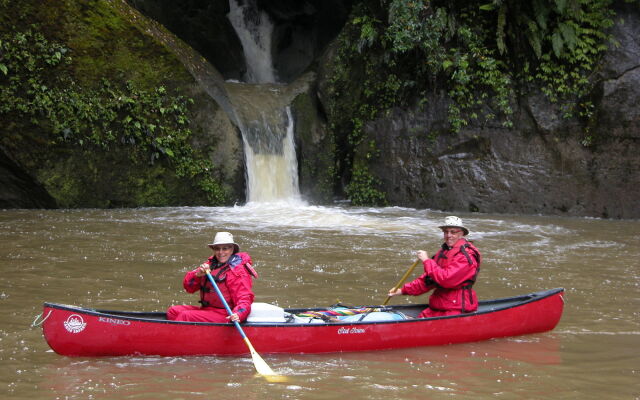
347	330
74	323
114	321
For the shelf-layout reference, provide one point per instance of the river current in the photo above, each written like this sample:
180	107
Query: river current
134	259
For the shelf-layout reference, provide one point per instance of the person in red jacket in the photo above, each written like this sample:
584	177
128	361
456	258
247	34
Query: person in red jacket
451	272
233	274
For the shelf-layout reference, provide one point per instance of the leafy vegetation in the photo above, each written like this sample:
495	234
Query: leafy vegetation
362	188
555	44
152	124
398	52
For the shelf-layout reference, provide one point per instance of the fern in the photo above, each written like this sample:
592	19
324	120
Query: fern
561	6
557	44
568	35
534	38
541	13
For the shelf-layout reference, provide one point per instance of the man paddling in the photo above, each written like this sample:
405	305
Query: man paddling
451	272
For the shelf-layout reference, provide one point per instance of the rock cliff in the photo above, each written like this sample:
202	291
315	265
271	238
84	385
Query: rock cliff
544	164
540	166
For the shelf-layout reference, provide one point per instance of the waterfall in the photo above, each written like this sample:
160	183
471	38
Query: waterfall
254	29
273	175
263	112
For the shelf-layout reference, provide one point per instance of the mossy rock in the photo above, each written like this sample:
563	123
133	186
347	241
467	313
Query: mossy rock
105	46
316	150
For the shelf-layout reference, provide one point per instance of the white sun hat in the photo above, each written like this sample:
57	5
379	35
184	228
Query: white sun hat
224	238
454	222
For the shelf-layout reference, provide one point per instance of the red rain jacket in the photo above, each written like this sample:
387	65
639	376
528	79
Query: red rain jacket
234	281
451	272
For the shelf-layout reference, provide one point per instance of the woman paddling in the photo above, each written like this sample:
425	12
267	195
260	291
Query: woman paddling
451	272
233	274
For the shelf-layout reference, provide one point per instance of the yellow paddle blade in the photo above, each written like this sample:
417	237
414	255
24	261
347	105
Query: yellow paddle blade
276	378
262	367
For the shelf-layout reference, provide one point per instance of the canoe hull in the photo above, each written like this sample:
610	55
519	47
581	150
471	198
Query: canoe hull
75	331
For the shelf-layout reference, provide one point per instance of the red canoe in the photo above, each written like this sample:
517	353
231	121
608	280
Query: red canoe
77	331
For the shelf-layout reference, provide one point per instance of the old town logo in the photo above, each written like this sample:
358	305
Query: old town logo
74	323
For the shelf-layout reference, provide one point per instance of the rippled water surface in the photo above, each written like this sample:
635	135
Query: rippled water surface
316	256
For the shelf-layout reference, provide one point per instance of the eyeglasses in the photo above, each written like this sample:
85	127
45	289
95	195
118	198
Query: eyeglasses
451	231
222	248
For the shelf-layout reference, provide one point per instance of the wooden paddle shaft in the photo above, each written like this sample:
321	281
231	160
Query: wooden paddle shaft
404	278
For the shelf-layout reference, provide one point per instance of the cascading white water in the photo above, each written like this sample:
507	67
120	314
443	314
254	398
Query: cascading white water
254	29
263	114
273	175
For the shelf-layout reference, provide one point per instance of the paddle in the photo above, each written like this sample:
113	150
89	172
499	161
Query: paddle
404	278
261	366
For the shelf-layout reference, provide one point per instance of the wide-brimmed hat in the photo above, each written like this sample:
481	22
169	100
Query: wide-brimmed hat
454	222
224	238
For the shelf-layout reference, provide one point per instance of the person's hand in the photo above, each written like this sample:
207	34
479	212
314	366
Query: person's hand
202	270
234	317
395	292
423	255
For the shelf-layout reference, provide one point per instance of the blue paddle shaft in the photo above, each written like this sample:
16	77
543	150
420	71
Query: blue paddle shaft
226	305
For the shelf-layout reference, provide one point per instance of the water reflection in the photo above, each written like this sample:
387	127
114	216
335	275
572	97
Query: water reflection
395	370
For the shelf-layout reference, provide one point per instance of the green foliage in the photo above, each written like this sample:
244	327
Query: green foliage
567	38
393	53
415	27
151	124
106	45
362	190
418	46
450	47
476	79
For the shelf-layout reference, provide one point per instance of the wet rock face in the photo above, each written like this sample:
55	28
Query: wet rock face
535	168
540	166
618	92
500	171
623	57
18	189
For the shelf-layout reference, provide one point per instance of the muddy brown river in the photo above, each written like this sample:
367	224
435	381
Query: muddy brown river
135	259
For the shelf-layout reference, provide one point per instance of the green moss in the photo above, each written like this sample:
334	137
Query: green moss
85	88
64	185
106	45
101	180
